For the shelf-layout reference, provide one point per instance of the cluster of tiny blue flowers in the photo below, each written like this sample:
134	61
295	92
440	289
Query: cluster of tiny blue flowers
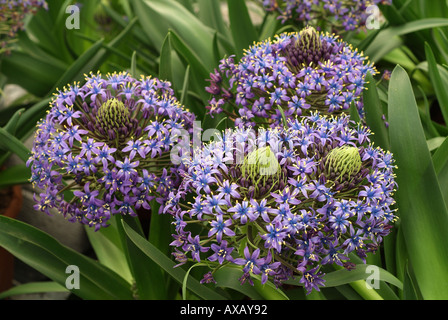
293	75
343	15
281	203
12	15
107	143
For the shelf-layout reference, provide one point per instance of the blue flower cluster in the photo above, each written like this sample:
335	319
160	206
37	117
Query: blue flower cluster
293	75
12	16
341	14
283	202
108	144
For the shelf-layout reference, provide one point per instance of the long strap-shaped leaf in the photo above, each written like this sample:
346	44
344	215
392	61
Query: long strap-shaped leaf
48	256
438	84
8	142
243	31
374	113
33	287
440	159
422	209
389	38
168	265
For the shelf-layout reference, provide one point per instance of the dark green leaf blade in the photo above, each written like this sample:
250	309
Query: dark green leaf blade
77	69
390	38
436	80
243	31
168	265
45	254
8	142
149	278
374	112
422	209
33	287
440	160
18	174
165	68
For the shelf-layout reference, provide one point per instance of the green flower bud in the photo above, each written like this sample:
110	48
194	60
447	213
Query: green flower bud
261	162
343	161
309	40
262	169
113	114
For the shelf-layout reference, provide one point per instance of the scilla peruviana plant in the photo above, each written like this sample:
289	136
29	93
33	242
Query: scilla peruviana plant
108	142
292	75
286	202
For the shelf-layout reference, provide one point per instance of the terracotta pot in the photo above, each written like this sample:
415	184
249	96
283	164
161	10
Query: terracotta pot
6	258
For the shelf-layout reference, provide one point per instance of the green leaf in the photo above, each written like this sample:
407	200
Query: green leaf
33	287
389	38
46	255
27	122
169	266
440	160
157	17
44	27
425	115
185	85
18	174
11	126
184	282
8	142
285	122
354	114
243	31
361	272
35	75
422	210
149	278
436	79
165	69
133	69
410	290
102	55
268	290
435	143
374	112
435	8
160	230
227	277
441	41
442	71
210	14
78	68
109	249
269	28
199	72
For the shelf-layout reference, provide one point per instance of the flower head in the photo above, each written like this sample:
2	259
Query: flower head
313	207
340	15
292	75
109	143
12	16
